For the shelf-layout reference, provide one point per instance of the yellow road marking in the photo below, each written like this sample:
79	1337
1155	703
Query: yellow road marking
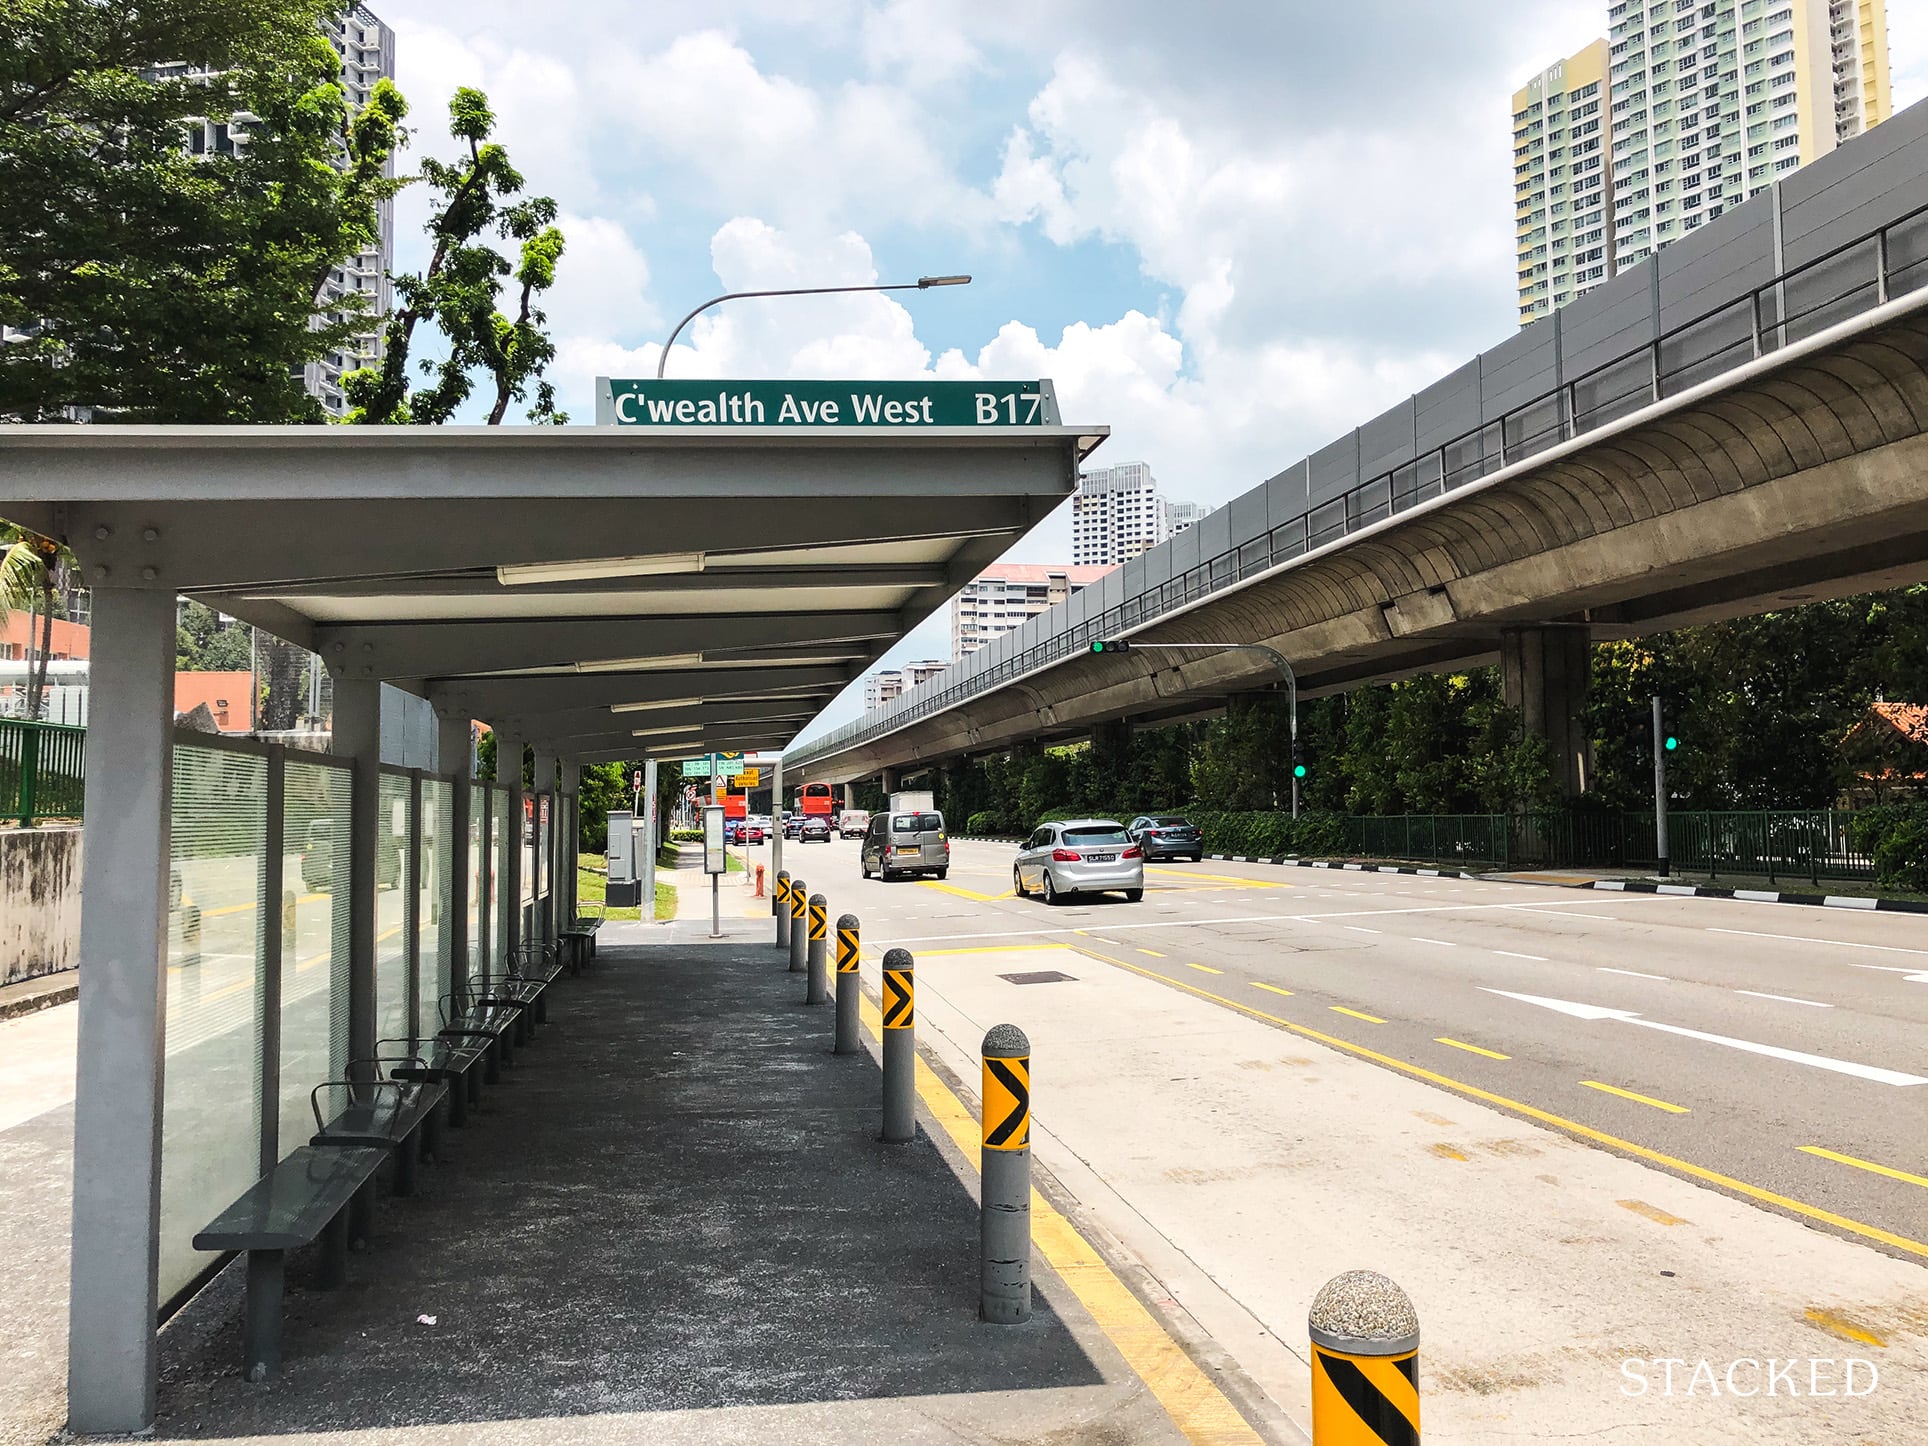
1889	1171
1153	952
1594	1084
1471	1048
1369	1018
1446	1152
1652	1212
1272	989
1201	968
1837	1324
1545	1117
963	893
1196	1405
871	953
1220	878
250	908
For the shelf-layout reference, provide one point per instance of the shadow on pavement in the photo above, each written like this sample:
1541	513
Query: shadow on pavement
676	1201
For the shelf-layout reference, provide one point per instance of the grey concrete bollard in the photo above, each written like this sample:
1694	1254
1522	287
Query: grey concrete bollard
848	954
1004	1214
900	1048
799	925
816	988
1365	1362
780	906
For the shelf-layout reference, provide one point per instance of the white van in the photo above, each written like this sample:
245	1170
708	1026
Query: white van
852	822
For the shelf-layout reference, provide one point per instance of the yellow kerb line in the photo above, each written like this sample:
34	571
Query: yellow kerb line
1534	1112
1471	1048
1196	1405
1869	1165
1594	1084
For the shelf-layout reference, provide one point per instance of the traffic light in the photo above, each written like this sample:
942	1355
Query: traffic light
1110	645
1298	759
1670	742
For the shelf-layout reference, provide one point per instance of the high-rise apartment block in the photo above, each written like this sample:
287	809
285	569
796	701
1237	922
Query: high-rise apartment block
1706	103
1562	182
891	684
1118	512
1002	597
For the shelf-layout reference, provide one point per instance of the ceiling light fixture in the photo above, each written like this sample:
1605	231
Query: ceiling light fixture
658	663
657	564
652	707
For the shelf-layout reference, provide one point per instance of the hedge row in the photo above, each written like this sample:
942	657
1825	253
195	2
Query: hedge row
1265	834
1895	836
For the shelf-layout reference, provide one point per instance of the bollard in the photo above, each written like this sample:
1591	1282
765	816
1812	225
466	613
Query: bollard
847	985
759	882
799	925
900	1048
816	983
780	906
1004	1214
1365	1363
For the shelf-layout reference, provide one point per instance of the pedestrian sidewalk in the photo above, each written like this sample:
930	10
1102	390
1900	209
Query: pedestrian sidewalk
1247	1159
673	1221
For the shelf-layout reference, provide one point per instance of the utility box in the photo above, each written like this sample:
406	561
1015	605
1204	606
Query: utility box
624	887
913	800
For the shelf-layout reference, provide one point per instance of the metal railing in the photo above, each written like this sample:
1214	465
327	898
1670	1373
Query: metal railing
1771	845
43	770
1854	277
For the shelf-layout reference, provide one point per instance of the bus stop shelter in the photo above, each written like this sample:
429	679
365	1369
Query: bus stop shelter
256	917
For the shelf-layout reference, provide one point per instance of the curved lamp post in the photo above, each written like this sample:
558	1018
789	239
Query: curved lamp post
1278	661
922	283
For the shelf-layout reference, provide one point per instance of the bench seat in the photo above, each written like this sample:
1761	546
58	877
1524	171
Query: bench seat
384	1114
444	1061
304	1198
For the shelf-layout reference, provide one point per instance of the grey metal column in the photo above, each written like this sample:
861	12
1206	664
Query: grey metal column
508	774
412	904
776	820
123	943
485	887
545	909
358	735
452	756
569	828
646	855
274	931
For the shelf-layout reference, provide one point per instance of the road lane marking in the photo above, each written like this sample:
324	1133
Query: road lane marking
1570	914
1594	1084
1869	1165
1595	1012
1471	1048
1652	1212
1200	1410
988	949
1357	929
1447	1152
963	893
1201	968
1837	1324
1442	943
1785	998
1369	1018
1509	954
1153	952
1831	943
1534	1112
1221	878
1271	988
1633	974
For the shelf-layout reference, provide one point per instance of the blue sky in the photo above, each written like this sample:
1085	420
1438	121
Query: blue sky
1231	229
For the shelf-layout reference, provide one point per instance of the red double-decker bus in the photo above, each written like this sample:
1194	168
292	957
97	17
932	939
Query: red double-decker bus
818	798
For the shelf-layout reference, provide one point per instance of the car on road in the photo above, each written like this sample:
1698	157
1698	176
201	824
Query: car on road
744	831
907	842
853	822
1167	836
792	822
1083	856
814	829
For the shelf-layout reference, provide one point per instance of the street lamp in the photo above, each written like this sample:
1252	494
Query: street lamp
1278	661
922	283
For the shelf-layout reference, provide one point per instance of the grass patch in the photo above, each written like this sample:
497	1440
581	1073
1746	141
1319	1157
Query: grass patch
592	889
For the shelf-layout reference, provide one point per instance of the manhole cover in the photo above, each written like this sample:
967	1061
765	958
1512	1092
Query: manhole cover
1041	976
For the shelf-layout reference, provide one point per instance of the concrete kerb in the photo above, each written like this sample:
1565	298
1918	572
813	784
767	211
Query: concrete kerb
37	992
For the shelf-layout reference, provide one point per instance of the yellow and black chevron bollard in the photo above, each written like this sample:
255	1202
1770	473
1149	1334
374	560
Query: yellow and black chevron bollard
1004	1218
900	1047
816	982
1365	1363
847	984
780	906
799	925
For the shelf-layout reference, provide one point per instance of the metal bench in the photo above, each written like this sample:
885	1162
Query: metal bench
305	1197
466	1018
441	1061
579	939
386	1114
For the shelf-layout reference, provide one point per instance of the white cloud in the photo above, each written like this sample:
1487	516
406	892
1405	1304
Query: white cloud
923	41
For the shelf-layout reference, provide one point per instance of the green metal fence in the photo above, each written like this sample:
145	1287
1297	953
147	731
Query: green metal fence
43	770
1775	845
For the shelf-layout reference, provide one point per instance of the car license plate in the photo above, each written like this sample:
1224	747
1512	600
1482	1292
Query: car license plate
1099	858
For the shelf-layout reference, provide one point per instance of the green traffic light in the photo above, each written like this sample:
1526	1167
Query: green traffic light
1097	647
1672	743
1298	770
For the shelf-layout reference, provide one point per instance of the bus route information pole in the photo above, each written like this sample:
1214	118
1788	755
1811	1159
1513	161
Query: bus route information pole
714	864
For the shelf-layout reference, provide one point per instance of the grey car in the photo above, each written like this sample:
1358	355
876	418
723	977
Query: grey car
912	842
1083	856
1167	836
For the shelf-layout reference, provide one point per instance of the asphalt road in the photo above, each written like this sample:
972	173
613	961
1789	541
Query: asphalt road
1774	1052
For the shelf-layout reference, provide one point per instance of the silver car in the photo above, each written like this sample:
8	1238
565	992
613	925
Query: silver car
1084	856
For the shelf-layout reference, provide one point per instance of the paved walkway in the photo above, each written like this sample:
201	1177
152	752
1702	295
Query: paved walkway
672	1222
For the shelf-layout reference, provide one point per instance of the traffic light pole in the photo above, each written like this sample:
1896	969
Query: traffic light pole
1660	790
1278	661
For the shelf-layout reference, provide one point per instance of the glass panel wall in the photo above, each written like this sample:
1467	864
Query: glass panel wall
314	953
211	1099
478	906
392	1012
438	894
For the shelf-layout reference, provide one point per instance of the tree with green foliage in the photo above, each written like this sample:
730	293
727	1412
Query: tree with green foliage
155	279
32	568
202	645
460	291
